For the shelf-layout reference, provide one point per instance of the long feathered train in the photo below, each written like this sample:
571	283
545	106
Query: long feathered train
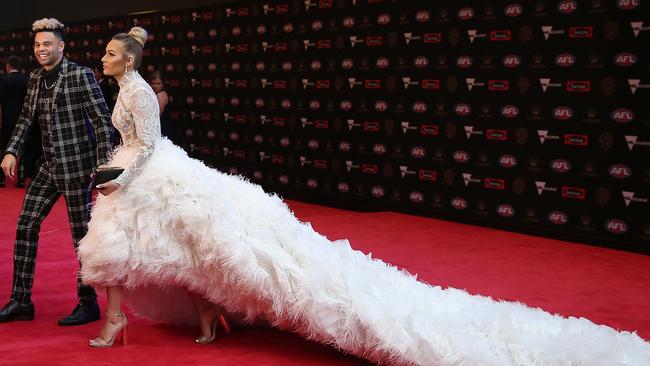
180	225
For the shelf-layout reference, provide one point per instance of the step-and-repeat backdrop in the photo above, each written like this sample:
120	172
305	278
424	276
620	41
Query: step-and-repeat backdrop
528	115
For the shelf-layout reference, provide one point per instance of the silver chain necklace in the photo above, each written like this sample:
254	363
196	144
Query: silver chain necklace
49	87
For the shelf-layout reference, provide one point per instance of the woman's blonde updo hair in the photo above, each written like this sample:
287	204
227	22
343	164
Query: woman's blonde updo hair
133	43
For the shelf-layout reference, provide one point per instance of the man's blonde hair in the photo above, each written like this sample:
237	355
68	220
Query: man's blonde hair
48	24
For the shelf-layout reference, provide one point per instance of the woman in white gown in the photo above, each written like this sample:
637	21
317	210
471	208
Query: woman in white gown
174	237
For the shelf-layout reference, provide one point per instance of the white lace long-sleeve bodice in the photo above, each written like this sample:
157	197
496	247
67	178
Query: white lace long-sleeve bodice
136	116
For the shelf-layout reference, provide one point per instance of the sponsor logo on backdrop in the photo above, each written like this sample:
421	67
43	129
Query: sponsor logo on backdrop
620	171
628	4
558	217
548	31
467	179
638	27
616	226
635	85
560	165
633	141
505	210
458	203
622	115
629	197
543	187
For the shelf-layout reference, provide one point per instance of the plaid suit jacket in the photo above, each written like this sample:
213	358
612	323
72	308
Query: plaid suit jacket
80	120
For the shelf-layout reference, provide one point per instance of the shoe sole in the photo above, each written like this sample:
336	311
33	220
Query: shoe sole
21	317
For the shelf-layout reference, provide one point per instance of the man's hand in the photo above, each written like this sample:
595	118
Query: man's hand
9	166
108	188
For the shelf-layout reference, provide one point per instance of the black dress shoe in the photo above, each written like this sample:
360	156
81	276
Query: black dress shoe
16	311
84	312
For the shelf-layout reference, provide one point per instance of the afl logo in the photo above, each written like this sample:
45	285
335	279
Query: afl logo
381	106
419	107
288	28
625	59
565	60
259	102
511	61
422	16
347	63
567	6
418	152
348	22
287	66
558	218
343	187
461	156
620	171
316	65
285	142
286	103
258	139
421	62
616	226
234	136
314	104
379	149
312	183
345	146
317	25
378	191
561	165
261	29
510	111
463	109
234	101
382	62
235	66
562	113
505	210
508	161
458	203
622	115
628	4
236	31
464	61
466	13
513	10
383	19
313	144
346	105
416	197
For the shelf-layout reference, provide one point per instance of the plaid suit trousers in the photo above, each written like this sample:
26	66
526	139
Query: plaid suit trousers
41	196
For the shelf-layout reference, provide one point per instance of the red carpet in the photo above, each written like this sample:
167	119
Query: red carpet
607	286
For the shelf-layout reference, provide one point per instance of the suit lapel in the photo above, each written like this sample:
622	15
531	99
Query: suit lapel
36	90
59	81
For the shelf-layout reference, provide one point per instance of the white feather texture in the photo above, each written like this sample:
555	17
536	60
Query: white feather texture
179	224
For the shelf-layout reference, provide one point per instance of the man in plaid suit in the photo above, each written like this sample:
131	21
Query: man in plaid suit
66	102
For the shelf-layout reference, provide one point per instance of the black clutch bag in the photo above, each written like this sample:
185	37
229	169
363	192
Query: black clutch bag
103	175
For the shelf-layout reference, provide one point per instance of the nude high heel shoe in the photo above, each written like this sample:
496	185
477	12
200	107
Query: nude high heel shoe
101	343
220	319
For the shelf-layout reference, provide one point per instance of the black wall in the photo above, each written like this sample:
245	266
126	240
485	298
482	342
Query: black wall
517	115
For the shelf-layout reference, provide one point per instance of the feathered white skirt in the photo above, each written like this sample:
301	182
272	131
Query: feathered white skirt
181	225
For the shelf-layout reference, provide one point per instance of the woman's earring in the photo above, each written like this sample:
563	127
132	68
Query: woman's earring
126	69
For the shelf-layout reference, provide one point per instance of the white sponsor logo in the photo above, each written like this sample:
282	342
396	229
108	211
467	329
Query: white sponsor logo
548	31
628	197
541	187
543	136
